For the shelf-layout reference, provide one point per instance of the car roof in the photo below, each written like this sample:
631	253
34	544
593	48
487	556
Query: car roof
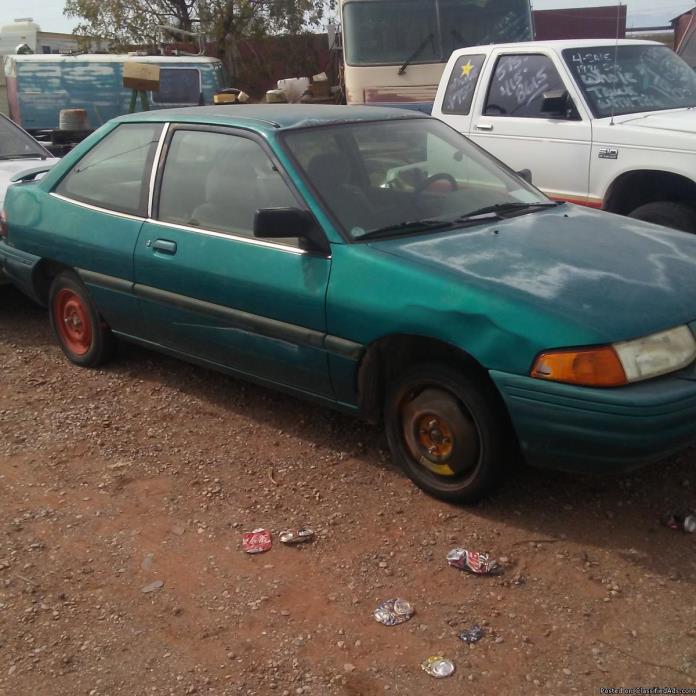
265	117
557	45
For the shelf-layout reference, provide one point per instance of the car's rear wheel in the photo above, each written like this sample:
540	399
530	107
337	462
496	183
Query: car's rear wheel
679	216
446	430
82	334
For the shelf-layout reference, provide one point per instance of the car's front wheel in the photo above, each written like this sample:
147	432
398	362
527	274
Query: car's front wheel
679	216
81	332
447	431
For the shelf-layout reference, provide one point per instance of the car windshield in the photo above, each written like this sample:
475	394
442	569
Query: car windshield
16	144
406	175
428	31
620	80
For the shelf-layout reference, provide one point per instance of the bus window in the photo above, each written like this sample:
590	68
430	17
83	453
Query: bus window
391	31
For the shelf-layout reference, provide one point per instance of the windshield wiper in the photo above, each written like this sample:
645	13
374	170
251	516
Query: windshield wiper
409	226
499	208
416	53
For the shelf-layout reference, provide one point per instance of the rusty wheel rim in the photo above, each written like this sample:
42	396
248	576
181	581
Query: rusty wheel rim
439	433
73	322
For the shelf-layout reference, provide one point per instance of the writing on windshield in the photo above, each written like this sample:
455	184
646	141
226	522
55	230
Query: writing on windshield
631	79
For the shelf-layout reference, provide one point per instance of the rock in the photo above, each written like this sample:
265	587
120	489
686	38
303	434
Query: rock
348	667
153	586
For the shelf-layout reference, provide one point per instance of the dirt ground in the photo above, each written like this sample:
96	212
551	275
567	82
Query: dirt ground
151	469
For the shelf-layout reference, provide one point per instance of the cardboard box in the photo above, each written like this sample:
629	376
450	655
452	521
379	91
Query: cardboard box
145	77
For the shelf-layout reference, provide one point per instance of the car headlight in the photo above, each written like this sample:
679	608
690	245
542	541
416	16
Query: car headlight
619	363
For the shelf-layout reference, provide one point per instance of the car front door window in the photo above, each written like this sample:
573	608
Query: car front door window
216	181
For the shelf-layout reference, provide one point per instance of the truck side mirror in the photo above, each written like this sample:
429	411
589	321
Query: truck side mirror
556	103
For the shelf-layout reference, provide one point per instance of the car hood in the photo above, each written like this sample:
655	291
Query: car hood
679	121
8	169
612	277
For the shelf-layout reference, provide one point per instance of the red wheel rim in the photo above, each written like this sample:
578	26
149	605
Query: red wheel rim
73	322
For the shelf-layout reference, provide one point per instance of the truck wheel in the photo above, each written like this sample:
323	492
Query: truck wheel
80	330
676	215
445	429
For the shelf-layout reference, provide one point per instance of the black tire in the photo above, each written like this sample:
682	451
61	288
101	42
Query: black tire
439	419
82	334
678	216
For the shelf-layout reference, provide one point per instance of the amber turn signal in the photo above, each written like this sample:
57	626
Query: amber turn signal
591	367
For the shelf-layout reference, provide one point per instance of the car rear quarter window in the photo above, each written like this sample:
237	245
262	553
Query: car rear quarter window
519	84
216	181
462	85
115	173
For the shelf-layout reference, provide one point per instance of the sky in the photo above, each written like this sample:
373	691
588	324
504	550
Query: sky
49	13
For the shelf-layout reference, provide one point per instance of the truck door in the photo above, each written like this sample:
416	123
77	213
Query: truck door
508	121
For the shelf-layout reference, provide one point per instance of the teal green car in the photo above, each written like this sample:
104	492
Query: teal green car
380	263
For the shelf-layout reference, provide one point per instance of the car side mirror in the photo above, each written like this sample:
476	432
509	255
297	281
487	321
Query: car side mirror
525	174
557	103
288	223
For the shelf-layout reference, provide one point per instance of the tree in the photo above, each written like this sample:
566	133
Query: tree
126	23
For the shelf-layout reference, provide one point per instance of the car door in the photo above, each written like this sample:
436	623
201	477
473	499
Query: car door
509	123
208	287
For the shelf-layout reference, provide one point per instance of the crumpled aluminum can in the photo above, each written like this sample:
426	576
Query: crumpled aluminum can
684	520
472	635
438	666
257	541
297	536
473	562
393	612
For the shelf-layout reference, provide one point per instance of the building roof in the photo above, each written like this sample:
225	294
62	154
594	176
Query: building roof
265	117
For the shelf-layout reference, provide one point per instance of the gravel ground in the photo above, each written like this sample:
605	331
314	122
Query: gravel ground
145	474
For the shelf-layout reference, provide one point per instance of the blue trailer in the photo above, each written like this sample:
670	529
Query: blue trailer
40	86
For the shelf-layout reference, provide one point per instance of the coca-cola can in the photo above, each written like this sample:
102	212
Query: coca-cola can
257	541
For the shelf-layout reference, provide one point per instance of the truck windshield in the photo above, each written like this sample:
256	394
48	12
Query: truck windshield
16	144
631	79
389	32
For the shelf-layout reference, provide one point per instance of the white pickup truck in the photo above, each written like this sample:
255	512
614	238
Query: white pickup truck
604	124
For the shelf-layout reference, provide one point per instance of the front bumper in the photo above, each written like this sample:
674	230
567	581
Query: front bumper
574	428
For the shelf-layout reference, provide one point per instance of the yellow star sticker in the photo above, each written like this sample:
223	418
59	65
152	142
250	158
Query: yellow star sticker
466	69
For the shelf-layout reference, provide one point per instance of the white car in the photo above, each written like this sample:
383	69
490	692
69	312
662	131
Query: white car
605	124
18	152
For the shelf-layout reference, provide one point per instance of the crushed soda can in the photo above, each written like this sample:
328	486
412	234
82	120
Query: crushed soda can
257	541
473	562
394	612
684	520
297	536
472	635
438	666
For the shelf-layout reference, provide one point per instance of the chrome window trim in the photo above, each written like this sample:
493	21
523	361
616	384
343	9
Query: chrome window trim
234	237
89	206
155	168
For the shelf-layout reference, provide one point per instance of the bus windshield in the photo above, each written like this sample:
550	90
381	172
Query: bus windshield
392	32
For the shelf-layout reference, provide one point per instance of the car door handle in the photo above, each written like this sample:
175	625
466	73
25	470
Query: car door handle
164	246
484	126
